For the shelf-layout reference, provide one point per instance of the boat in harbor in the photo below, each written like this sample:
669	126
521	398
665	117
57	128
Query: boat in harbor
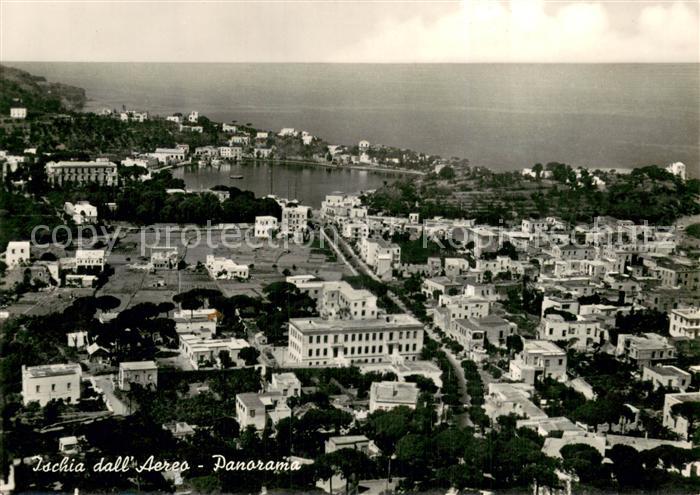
235	176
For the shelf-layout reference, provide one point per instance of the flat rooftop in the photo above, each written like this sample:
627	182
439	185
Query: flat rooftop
397	392
47	370
390	322
138	365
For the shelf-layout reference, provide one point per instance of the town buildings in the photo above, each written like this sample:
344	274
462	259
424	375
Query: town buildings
320	342
384	396
295	220
49	382
265	227
645	349
17	253
18	113
143	373
685	323
224	268
675	420
539	359
98	172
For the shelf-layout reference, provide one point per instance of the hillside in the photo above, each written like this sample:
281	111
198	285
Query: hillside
20	88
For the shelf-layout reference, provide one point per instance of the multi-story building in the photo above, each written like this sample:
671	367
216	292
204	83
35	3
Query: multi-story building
666	376
49	382
18	113
285	383
295	219
99	172
319	342
90	259
355	231
685	323
433	288
202	351
645	349
573	252
384	396
144	373
250	411
373	250
587	331
339	300
674	420
265	226
676	274
467	334
169	155
495	328
460	308
231	152
17	252
539	358
254	409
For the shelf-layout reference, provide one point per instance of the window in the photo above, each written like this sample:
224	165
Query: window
37	389
69	384
53	387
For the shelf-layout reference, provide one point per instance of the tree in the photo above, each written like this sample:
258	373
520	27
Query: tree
537	168
583	460
447	173
249	355
105	303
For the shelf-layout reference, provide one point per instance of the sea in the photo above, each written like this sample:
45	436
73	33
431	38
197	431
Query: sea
500	116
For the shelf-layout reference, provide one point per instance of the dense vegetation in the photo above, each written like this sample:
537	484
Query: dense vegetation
20	88
648	193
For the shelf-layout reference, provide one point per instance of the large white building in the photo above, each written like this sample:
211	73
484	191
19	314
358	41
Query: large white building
666	376
265	226
18	113
384	396
339	300
99	172
90	259
677	168
644	349
224	268
538	358
460	308
17	252
295	219
52	381
144	373
319	342
380	255
204	351
584	332
678	423
685	323
169	155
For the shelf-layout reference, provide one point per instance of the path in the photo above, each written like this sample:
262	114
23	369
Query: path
362	266
104	384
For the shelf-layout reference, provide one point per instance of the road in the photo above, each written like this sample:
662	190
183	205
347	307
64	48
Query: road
104	384
359	265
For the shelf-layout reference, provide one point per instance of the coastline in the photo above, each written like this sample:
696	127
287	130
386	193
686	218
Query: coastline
366	168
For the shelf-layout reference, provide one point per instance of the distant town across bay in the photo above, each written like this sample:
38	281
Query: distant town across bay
501	117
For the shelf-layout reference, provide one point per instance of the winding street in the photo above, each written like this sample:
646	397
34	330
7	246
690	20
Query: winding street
358	265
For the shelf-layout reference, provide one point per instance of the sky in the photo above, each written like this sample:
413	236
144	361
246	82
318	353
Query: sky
392	31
